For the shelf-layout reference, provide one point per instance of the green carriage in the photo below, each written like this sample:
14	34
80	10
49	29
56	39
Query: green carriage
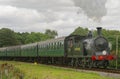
51	48
29	50
13	51
2	52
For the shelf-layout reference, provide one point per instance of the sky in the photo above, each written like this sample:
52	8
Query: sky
64	16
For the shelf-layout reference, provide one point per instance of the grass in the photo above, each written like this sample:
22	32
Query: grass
8	71
39	71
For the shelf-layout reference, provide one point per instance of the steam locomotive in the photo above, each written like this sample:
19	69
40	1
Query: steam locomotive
74	50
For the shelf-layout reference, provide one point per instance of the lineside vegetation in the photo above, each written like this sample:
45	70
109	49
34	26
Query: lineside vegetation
39	71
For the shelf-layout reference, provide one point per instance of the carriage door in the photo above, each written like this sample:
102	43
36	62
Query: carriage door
84	49
70	46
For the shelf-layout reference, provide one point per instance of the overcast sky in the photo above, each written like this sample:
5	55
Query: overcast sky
61	15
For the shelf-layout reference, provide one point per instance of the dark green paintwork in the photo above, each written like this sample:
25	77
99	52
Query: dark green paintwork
74	46
2	52
29	51
13	51
51	49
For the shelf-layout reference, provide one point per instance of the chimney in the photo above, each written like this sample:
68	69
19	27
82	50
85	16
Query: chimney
99	29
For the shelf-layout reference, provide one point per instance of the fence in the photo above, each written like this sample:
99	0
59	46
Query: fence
114	40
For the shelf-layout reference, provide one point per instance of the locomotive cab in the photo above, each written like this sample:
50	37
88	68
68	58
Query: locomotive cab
73	45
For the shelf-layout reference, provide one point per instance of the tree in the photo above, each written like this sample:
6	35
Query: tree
36	37
21	37
7	37
51	33
33	37
80	31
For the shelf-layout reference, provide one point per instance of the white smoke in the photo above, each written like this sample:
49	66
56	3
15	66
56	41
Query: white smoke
94	9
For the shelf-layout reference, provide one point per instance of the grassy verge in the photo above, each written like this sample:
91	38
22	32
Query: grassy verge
38	71
8	71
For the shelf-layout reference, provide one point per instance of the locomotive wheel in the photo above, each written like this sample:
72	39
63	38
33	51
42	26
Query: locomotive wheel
76	62
90	64
106	63
79	62
72	62
83	65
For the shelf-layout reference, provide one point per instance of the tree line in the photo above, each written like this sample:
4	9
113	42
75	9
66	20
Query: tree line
10	38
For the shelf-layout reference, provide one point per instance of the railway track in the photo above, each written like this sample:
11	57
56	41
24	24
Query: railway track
113	73
104	70
108	70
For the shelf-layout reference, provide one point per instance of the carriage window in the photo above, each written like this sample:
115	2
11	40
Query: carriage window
48	45
44	45
77	43
39	46
54	45
70	43
57	45
51	45
60	44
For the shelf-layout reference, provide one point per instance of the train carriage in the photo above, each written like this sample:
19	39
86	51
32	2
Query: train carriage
13	51
29	50
3	52
51	48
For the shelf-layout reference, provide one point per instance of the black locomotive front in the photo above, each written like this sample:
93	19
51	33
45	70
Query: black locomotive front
98	48
100	43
